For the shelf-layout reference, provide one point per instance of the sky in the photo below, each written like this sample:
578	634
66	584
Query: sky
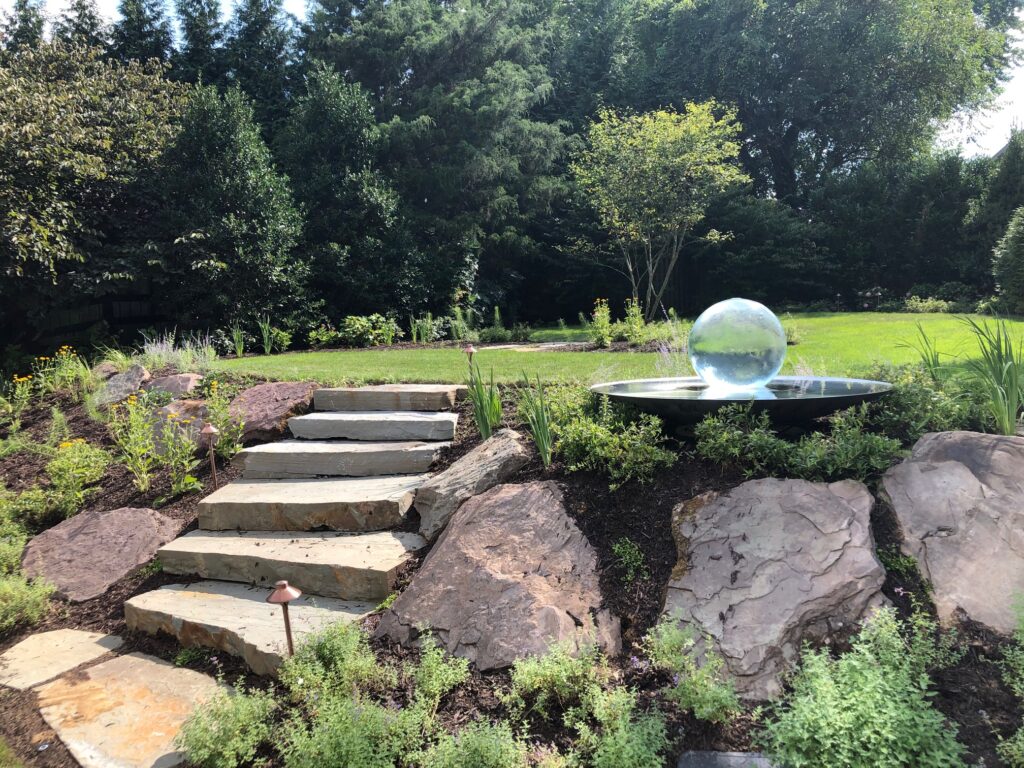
982	133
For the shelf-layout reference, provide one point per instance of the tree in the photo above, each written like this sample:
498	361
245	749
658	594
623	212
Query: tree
142	33
259	57
1008	265
820	86
227	223
24	25
1003	194
81	23
650	178
200	57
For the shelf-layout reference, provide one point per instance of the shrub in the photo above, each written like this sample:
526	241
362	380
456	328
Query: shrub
195	352
622	447
600	325
227	730
520	332
495	335
924	305
555	681
281	339
671	647
337	658
1012	749
131	426
179	443
486	400
436	675
918	404
634	326
12	539
1008	265
623	738
534	410
424	330
479	745
323	336
76	466
22	601
368	331
870	707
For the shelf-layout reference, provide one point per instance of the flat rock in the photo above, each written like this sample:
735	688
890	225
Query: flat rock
340	504
492	462
959	503
389	397
120	385
124	713
177	385
236	619
349	566
47	655
104	370
85	555
704	759
266	408
375	425
511	576
772	564
312	458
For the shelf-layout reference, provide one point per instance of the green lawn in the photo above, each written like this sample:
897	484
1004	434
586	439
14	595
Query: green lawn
837	344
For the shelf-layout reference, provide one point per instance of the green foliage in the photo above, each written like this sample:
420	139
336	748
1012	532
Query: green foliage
869	708
920	305
228	729
738	436
608	440
622	737
323	336
337	658
371	331
630	559
480	745
230	426
22	601
142	32
76	466
931	358
535	411
634	324
918	404
238	340
1012	749
266	333
896	562
554	682
131	426
486	400
1008	265
179	440
701	688
436	675
999	372
600	325
23	26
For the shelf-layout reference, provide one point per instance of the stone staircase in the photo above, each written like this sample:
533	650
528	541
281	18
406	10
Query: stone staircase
352	468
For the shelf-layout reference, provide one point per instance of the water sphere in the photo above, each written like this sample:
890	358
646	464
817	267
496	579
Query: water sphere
737	345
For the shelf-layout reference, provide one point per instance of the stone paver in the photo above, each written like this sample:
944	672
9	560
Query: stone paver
341	504
47	655
375	425
723	760
235	618
308	458
124	713
359	566
389	397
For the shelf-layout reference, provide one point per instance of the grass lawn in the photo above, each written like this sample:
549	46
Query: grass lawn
836	344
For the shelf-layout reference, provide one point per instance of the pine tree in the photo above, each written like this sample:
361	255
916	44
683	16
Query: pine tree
143	32
1003	194
1008	266
259	55
81	23
24	25
201	57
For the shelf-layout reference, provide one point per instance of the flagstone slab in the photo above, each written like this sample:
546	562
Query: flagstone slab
389	397
124	713
47	655
315	458
375	425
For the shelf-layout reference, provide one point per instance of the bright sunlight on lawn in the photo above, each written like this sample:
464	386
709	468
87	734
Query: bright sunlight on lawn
837	344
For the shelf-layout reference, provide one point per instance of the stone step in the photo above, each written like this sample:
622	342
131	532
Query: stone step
341	504
375	425
349	566
309	458
389	397
236	619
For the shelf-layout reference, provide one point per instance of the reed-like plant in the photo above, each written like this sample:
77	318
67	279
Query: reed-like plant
486	400
999	371
238	340
533	406
928	352
267	332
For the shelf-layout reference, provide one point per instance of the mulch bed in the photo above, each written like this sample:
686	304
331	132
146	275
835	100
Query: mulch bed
971	694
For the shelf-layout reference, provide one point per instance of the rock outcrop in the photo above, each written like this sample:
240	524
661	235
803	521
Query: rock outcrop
771	564
959	502
175	385
120	385
266	408
510	576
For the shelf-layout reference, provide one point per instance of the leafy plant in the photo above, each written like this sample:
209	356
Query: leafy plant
22	601
553	682
600	325
480	745
368	331
435	676
671	647
59	431
926	305
631	559
486	400
928	351
238	341
999	372
338	658
76	466
612	734
323	335
131	425
266	333
634	324
534	410
422	329
179	456
230	427
228	729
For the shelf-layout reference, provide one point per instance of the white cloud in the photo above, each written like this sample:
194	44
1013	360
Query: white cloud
108	8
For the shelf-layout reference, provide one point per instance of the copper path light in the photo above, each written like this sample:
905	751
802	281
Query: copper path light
209	433
282	595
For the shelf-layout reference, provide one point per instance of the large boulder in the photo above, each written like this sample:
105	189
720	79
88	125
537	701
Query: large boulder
772	564
492	462
86	554
959	502
510	576
175	385
266	408
187	414
119	386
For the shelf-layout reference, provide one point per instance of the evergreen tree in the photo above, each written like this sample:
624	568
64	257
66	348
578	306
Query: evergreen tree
24	25
327	22
81	23
259	54
200	57
1003	194
227	223
143	32
1008	266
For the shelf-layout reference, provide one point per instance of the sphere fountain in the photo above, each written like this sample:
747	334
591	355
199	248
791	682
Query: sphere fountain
737	347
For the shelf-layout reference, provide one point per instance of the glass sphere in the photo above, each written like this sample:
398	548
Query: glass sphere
737	345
